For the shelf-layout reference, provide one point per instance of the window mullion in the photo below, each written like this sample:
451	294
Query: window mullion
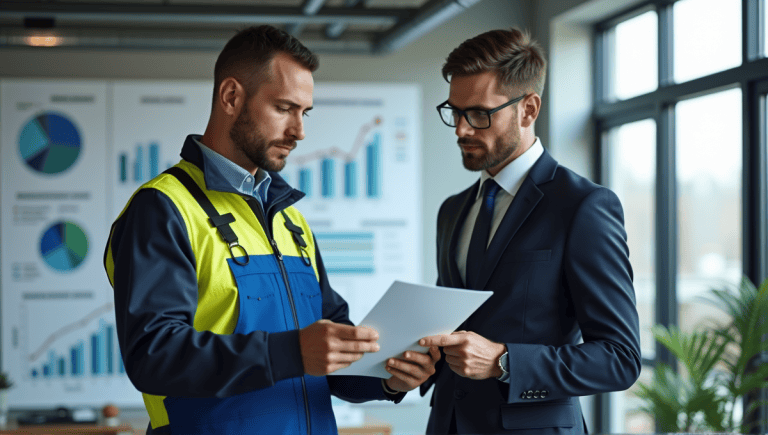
755	203
666	227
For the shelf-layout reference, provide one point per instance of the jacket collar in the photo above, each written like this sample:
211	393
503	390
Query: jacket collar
526	199
279	191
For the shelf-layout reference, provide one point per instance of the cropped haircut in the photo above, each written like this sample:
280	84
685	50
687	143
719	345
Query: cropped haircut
517	59
247	56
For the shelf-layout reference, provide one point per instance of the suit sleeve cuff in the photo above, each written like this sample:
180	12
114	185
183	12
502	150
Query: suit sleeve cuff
285	355
395	396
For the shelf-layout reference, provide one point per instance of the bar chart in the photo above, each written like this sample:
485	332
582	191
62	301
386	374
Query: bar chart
99	357
143	166
319	172
84	348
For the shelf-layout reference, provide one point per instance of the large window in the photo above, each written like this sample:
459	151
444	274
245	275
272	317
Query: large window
680	108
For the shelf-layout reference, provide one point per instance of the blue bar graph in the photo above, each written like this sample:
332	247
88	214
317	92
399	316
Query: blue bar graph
373	167
305	181
101	353
96	352
350	179
327	173
154	160
78	359
123	168
109	332
145	164
369	157
138	165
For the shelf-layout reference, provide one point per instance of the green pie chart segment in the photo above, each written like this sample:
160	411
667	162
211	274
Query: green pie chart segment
64	246
49	143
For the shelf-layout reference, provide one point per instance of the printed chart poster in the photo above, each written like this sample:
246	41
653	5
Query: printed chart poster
151	121
360	167
59	342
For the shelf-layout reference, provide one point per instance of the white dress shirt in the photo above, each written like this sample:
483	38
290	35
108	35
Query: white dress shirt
510	178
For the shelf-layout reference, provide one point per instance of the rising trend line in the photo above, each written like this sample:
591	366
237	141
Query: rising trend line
335	151
82	323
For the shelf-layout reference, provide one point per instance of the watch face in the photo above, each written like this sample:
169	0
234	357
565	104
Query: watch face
504	362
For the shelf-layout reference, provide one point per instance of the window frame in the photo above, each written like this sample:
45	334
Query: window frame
752	77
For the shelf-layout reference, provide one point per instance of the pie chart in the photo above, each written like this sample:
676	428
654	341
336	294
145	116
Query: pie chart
64	246
49	143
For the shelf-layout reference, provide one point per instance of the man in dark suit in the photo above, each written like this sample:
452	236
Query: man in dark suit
549	243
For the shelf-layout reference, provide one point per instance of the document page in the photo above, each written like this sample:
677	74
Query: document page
408	312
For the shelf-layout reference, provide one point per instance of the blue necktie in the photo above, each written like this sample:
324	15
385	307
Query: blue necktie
479	241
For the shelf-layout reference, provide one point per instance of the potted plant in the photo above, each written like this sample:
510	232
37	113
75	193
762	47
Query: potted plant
717	367
5	385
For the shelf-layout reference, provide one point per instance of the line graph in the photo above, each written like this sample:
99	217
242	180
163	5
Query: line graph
66	329
367	142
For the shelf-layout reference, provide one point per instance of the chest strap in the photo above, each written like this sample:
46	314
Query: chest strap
220	222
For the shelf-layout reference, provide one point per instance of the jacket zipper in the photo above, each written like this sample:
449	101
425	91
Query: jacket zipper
257	209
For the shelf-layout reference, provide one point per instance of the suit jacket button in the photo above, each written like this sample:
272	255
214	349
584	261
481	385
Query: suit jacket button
459	394
529	394
544	394
536	394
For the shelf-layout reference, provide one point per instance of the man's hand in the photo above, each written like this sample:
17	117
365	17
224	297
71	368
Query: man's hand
468	354
327	346
412	370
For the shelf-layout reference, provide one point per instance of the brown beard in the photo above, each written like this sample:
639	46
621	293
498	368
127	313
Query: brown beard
504	147
254	146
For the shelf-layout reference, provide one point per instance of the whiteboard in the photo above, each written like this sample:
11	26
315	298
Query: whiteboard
72	153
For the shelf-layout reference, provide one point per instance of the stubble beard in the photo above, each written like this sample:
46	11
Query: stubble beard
504	147
255	146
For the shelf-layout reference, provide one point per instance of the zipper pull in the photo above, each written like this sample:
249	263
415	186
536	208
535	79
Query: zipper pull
277	251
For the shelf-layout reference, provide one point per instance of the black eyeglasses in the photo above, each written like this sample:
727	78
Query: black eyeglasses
477	118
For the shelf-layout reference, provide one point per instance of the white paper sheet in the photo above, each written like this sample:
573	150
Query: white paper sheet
408	312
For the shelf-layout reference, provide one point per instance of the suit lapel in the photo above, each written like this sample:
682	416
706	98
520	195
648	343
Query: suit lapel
455	232
526	199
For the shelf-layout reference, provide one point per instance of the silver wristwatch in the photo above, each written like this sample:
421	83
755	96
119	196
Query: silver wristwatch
504	364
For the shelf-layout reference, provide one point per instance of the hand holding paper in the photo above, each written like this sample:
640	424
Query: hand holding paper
412	369
327	346
408	312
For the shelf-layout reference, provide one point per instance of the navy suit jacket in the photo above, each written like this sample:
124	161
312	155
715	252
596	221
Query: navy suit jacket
559	269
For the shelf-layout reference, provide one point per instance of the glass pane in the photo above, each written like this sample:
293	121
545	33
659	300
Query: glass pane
765	28
626	416
709	167
707	37
635	56
632	175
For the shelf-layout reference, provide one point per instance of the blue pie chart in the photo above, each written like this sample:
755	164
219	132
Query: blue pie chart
50	143
64	246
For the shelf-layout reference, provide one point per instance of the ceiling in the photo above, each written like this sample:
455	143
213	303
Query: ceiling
324	26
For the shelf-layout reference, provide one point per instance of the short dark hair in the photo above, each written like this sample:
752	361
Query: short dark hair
248	54
512	54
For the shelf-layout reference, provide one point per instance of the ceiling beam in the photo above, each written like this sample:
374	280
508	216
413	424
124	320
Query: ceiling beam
334	31
163	14
310	8
429	16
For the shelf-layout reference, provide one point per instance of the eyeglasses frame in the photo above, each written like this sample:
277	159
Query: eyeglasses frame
464	112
